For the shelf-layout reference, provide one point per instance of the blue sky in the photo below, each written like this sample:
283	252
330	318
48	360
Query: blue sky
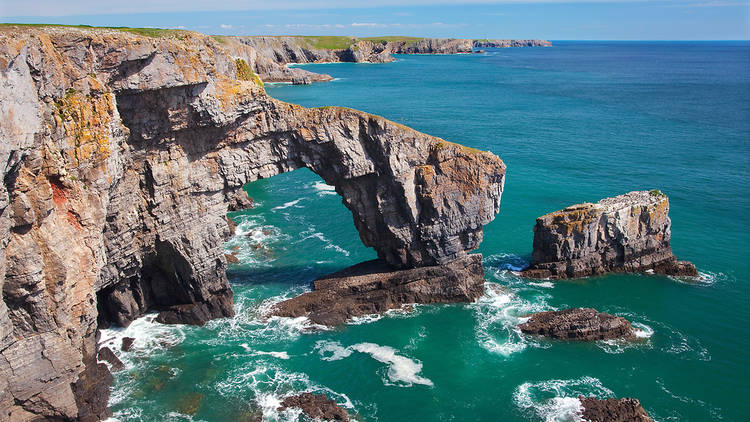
548	19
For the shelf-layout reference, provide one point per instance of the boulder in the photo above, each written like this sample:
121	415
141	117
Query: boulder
316	406
613	410
584	324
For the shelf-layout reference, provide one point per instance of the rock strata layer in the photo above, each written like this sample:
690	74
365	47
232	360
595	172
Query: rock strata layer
316	406
627	233
373	287
583	324
613	410
121	155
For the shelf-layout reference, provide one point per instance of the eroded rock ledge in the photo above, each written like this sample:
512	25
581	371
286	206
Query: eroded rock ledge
373	287
582	324
613	410
316	406
120	155
626	233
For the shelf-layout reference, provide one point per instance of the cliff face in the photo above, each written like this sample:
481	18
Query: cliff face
270	55
120	155
627	233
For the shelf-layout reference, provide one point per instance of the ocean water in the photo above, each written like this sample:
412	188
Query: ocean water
574	122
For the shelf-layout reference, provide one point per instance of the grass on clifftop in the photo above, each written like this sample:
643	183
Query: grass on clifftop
393	38
147	32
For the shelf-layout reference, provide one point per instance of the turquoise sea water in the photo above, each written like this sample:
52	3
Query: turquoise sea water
575	122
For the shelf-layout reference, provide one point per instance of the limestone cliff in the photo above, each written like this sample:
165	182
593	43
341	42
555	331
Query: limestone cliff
269	55
627	233
120	155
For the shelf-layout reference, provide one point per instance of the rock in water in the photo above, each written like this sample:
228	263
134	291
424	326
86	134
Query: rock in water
613	410
127	344
584	324
373	287
107	355
316	406
627	233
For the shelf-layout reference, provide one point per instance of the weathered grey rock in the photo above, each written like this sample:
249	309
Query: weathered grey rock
316	406
583	324
301	80
373	287
122	153
613	410
627	233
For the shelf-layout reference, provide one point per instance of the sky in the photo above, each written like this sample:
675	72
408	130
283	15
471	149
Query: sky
544	19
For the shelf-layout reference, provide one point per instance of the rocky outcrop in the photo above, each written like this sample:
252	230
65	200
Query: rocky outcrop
121	154
268	55
584	324
627	233
613	410
316	406
373	287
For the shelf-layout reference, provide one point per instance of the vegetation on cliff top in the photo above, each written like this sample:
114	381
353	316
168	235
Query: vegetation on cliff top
147	32
244	72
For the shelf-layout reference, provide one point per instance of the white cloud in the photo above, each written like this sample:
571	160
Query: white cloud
225	26
368	24
9	8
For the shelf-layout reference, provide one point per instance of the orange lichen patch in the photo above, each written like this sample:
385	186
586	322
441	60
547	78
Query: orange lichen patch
86	121
230	92
573	219
59	194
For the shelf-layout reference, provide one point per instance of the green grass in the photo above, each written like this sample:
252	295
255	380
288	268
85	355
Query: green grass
656	192
147	32
392	39
328	42
244	72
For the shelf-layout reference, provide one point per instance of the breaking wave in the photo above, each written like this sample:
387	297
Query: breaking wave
557	400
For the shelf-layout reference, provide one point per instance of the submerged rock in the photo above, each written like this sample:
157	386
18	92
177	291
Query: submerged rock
613	410
627	233
316	406
373	287
584	324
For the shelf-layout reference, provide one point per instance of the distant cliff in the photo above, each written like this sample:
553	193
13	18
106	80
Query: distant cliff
120	154
272	54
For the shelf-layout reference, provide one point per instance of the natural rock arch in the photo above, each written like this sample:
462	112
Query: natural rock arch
416	199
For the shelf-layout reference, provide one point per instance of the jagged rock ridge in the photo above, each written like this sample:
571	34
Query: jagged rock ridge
121	154
626	233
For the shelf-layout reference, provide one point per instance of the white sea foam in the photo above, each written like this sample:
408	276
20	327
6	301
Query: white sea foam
407	309
402	371
332	350
544	284
250	243
268	384
557	400
498	313
279	355
312	233
288	204
323	188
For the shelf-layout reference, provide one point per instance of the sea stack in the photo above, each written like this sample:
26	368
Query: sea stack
627	233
